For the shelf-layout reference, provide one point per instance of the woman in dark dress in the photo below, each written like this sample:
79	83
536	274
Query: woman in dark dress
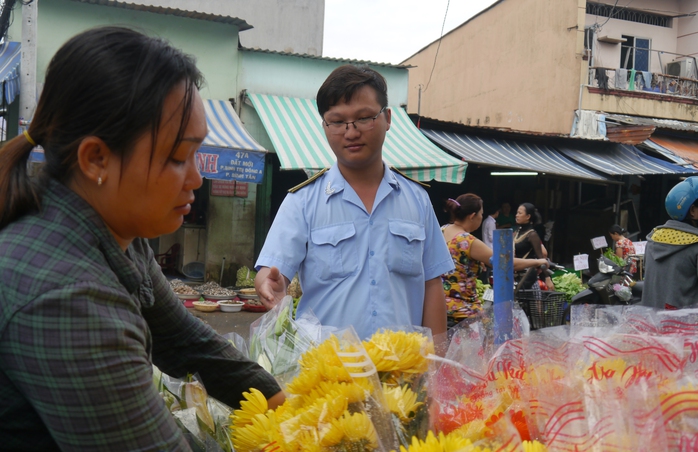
527	242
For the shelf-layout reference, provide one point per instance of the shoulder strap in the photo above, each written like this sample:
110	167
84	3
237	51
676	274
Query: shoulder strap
392	168
309	181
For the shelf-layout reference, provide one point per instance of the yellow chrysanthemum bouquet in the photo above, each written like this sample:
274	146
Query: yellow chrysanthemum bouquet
401	359
335	403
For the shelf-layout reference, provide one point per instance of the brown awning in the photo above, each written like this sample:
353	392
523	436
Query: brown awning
683	147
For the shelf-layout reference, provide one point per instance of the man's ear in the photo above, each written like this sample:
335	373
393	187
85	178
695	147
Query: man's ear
693	212
388	117
93	157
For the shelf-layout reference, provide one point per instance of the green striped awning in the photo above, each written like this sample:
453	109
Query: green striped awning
295	129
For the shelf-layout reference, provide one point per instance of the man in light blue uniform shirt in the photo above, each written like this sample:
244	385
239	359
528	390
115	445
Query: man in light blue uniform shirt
364	239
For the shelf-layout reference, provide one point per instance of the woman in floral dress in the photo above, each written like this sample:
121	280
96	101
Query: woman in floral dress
470	255
624	247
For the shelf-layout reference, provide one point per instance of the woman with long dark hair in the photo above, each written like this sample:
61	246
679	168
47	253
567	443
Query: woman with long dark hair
86	311
470	256
527	240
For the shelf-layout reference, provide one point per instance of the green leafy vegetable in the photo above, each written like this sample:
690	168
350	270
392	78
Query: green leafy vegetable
616	260
569	284
245	277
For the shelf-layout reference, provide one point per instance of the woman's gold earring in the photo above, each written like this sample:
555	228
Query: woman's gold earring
99	180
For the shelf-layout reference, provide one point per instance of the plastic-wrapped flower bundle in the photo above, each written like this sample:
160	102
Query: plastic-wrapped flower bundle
334	403
400	358
618	379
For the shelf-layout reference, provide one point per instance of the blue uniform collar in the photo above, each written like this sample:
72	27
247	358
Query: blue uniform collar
334	182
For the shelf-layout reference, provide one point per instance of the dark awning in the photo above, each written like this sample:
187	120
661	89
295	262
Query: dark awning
619	159
513	154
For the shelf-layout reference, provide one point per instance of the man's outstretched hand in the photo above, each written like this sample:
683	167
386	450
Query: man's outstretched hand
270	285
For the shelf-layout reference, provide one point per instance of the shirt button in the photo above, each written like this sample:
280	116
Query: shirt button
374	313
370	222
372	253
373	283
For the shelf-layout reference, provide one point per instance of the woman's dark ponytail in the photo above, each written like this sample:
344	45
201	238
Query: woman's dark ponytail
617	229
531	210
463	206
18	193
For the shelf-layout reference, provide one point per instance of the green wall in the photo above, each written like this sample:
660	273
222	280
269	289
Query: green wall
296	76
213	44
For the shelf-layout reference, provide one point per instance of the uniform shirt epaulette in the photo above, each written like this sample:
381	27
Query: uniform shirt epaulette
307	182
408	177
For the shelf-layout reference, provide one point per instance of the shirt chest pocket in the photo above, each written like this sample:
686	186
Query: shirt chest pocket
405	247
334	247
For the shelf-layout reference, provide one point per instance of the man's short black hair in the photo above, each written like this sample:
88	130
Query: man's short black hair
345	81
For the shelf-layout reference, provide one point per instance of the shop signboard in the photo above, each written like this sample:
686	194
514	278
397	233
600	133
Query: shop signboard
229	188
231	165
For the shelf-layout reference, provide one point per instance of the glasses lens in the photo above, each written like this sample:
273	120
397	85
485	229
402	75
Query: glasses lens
337	128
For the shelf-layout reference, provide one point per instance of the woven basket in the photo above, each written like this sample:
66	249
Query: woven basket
543	308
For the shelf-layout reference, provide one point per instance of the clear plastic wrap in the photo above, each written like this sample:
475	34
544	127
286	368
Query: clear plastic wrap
277	341
204	420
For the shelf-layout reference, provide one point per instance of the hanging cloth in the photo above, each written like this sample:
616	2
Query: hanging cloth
631	81
601	78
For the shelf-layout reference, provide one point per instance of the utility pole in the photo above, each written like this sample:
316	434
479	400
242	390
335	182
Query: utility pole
27	78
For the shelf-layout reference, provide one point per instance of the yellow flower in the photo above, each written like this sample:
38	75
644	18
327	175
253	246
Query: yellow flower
326	352
401	401
534	446
353	392
474	431
331	372
254	403
354	431
323	410
307	440
306	379
261	431
444	443
318	365
399	351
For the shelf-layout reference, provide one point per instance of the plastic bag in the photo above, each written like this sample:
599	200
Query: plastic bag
277	341
204	420
238	342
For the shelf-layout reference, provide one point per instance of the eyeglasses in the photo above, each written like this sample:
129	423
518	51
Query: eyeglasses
362	124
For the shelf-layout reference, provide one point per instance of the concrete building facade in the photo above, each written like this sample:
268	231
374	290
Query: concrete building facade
286	26
524	65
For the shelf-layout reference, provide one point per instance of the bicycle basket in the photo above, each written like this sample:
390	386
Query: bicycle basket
542	307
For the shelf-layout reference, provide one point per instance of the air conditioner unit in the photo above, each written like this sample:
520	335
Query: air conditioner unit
682	68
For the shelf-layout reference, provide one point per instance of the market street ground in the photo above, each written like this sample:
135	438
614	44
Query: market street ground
228	322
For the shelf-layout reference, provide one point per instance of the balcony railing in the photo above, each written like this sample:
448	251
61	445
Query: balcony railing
662	84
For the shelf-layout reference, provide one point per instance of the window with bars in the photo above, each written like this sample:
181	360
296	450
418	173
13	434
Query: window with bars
632	15
635	53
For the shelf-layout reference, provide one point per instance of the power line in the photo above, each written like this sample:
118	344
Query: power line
438	46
